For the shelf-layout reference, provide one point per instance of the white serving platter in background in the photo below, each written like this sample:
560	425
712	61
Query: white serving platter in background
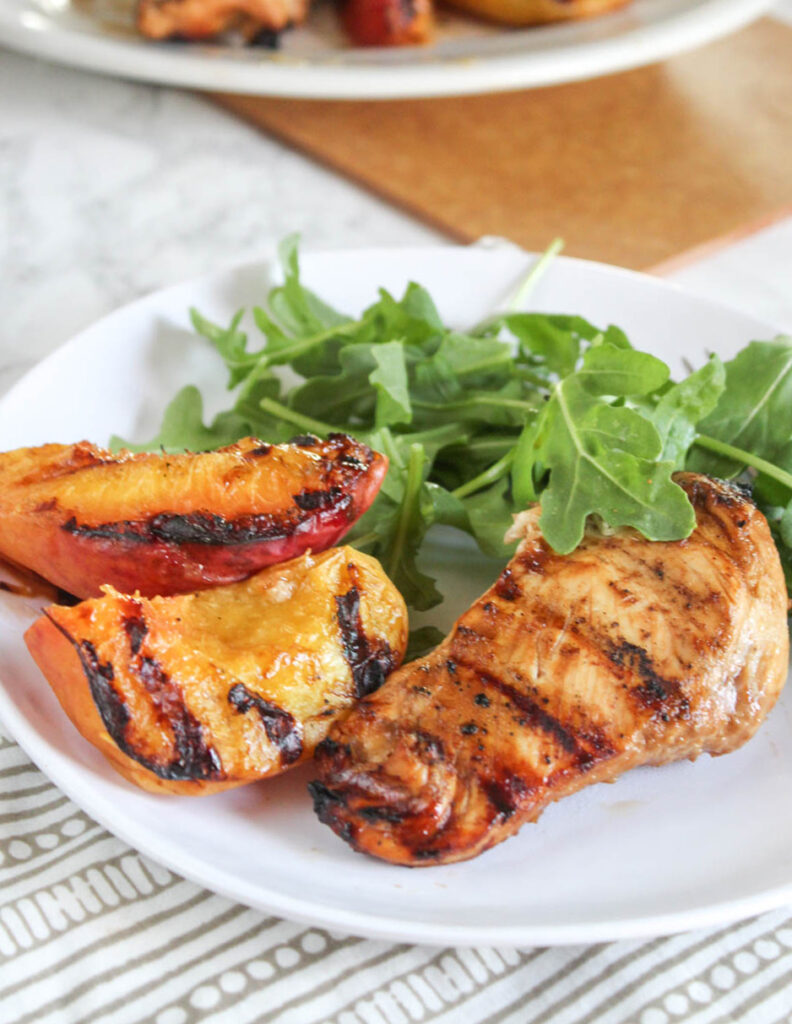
662	850
316	60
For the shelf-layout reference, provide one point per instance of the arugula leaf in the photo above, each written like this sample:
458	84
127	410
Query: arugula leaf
505	406
490	514
401	530
295	306
525	407
753	410
683	405
183	428
421	641
230	342
601	458
555	339
413	318
390	382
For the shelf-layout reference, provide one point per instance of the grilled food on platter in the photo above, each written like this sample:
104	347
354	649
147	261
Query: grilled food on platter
570	670
536	12
388	22
205	691
82	516
205	19
368	22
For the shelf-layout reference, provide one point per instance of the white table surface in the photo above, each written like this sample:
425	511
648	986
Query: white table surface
109	190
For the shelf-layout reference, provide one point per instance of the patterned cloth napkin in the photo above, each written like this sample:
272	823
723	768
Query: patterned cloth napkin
93	933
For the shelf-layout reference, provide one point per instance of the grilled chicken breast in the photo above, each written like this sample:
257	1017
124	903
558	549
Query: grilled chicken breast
201	692
569	671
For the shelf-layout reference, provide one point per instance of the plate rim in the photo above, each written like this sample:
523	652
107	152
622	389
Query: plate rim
66	774
329	79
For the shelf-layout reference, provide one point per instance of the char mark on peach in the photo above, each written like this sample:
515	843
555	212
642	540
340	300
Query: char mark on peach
194	760
281	728
370	663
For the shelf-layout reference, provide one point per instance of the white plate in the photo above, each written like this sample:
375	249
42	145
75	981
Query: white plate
664	849
316	61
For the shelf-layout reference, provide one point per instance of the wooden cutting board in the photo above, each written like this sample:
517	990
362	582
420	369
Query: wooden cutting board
633	169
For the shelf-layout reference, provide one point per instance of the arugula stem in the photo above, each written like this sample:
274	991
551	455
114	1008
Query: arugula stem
289	353
412	487
502	359
746	458
532	378
305	423
525	288
482	445
496	400
365	541
390	448
489	476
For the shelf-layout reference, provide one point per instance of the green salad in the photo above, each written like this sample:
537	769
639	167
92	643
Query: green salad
524	407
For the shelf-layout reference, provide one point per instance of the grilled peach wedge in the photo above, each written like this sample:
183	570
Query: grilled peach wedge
81	516
201	692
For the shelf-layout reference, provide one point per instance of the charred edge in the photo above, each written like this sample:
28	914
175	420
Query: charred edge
534	560
327	803
195	758
655	690
430	853
506	586
369	663
429	747
109	704
281	728
267	38
108	701
345	461
309	501
212	530
505	793
727	493
389	814
304	440
260	451
115	717
328	747
136	629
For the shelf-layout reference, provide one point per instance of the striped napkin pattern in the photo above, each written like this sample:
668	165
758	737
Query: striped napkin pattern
93	933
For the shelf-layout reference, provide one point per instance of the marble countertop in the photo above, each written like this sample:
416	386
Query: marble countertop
110	189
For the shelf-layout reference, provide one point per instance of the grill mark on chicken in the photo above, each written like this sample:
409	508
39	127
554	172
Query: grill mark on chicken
580	684
506	793
506	587
369	663
326	801
279	724
194	760
534	716
654	690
